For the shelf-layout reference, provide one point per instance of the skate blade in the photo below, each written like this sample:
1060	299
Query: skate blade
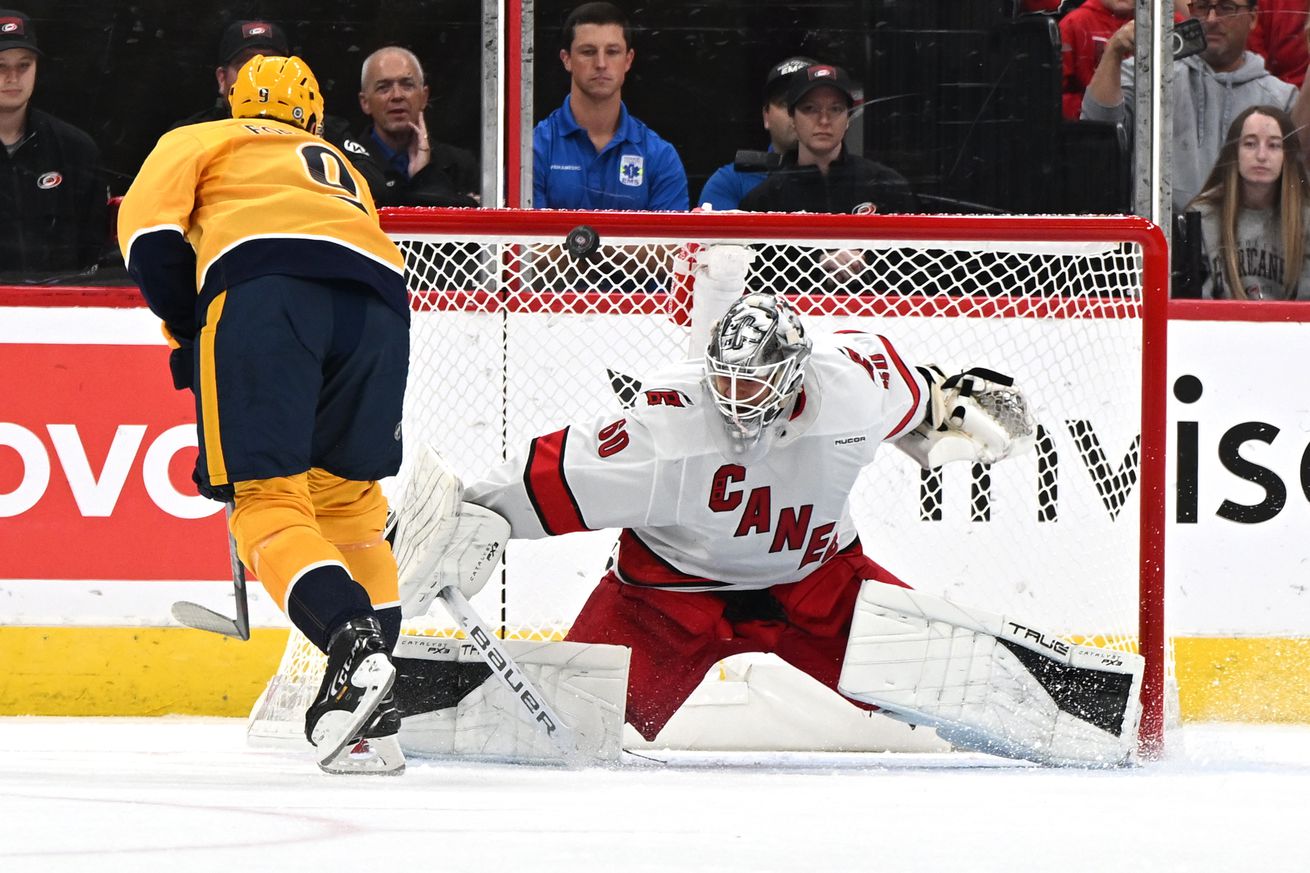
373	756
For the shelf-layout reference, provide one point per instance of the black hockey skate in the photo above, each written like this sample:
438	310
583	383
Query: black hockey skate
357	679
377	749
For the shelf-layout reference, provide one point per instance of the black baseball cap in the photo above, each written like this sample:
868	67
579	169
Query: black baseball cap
262	35
820	76
775	84
16	31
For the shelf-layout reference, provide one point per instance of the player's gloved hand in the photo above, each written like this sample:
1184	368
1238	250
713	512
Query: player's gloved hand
219	493
182	364
181	360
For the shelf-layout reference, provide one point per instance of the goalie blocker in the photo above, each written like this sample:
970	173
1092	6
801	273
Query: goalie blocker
992	684
511	699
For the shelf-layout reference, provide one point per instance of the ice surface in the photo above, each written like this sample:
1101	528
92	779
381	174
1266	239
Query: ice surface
188	795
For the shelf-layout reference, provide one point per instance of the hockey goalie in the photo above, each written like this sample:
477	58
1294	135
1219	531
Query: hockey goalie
729	479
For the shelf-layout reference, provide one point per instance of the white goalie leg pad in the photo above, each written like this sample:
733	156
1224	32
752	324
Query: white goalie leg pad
586	683
992	684
440	538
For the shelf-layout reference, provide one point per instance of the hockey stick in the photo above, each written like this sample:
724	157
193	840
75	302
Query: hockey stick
205	619
509	673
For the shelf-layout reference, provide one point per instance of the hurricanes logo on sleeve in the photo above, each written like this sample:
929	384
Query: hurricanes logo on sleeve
52	179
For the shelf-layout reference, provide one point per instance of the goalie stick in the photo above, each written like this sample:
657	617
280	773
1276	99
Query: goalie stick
203	618
511	675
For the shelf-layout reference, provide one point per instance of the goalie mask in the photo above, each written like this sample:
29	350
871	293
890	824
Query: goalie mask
280	88
755	364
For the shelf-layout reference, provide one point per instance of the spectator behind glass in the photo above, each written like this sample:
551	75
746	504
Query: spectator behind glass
819	174
1280	38
53	201
728	185
1254	218
1083	35
241	41
590	153
1209	90
403	166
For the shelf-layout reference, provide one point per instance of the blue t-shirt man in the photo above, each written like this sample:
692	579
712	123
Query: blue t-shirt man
727	185
637	169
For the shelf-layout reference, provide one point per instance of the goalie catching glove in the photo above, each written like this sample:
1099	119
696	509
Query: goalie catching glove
440	539
977	415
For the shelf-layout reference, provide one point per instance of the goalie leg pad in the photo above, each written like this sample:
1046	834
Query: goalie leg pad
991	684
451	704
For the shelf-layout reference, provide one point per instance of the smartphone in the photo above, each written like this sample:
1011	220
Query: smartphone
1189	38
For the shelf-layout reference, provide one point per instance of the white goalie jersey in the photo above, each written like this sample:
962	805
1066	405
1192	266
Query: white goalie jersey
693	517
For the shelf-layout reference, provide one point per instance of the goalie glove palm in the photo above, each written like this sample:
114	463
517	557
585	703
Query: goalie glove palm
977	415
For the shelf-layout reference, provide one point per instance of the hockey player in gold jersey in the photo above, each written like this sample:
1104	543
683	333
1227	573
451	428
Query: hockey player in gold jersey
258	245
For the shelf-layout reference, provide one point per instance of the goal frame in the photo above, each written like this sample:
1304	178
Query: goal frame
674	228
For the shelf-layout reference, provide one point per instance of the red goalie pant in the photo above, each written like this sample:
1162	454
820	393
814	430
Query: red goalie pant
676	637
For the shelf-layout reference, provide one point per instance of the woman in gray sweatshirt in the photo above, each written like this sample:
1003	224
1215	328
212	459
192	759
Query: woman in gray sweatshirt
1255	212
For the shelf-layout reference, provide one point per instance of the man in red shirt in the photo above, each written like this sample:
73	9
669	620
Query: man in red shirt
1083	35
1279	37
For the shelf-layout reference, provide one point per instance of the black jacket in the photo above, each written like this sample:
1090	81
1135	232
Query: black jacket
450	179
53	201
853	184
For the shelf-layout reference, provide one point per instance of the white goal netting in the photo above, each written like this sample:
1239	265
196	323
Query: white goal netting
512	337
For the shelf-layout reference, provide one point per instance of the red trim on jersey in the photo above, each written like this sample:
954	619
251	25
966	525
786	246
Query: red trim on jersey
637	564
547	487
915	393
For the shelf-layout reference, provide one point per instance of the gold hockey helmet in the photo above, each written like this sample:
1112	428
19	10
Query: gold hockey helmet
281	88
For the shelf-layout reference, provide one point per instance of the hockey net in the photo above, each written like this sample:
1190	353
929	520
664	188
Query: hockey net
512	337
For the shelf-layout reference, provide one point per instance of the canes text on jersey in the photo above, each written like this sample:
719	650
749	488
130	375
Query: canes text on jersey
792	523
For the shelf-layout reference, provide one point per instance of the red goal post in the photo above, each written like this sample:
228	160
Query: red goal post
513	336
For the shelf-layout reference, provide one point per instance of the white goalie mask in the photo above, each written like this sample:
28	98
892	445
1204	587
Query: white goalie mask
755	364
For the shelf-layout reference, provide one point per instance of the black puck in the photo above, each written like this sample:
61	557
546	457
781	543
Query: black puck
582	242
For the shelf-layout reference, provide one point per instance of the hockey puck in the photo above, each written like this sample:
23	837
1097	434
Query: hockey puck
582	242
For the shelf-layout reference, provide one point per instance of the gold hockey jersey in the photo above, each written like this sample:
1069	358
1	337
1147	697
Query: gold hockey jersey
225	201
